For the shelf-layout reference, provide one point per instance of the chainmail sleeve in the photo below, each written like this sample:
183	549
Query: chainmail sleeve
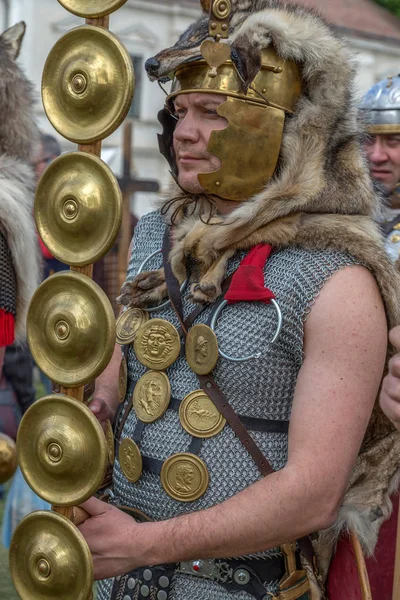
8	294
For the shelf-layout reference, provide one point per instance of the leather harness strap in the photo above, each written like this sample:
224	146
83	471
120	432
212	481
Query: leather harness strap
207	382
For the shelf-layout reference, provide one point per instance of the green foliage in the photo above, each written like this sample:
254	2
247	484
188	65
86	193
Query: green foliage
392	5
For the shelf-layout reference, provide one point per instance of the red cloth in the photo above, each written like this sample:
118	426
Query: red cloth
45	252
7	323
343	578
247	283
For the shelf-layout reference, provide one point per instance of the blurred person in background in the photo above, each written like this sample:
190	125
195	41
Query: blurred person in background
380	109
19	255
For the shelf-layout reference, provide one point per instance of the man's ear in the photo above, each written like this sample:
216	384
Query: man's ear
13	38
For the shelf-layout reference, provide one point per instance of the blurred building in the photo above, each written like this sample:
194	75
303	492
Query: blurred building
146	26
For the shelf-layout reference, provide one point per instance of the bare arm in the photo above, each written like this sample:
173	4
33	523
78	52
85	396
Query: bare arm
335	392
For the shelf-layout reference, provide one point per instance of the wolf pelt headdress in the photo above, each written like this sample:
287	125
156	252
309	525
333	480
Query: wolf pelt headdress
18	140
319	197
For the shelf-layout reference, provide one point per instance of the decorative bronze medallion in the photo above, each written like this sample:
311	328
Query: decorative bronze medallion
110	442
130	460
184	477
151	396
157	344
128	324
199	416
201	349
122	379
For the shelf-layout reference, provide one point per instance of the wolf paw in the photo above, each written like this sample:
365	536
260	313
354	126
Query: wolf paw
146	289
203	292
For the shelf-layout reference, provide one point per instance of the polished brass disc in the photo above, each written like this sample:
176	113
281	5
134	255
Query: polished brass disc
199	416
49	558
88	84
157	344
129	323
8	457
62	450
110	442
91	9
201	348
71	328
151	396
78	208
184	477
122	379
130	460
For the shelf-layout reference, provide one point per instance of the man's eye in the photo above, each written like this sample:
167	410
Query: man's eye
211	111
180	113
394	142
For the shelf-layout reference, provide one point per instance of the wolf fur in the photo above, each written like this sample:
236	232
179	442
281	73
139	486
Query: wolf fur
321	196
18	138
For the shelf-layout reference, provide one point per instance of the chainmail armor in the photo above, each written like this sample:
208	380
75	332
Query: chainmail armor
263	388
8	281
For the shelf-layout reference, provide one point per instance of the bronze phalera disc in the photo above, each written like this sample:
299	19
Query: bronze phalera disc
78	208
91	9
8	457
110	442
87	85
199	416
129	323
122	379
71	328
157	344
184	477
151	396
49	558
62	450
201	347
130	460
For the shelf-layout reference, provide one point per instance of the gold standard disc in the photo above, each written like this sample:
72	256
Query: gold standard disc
157	344
184	477
130	460
87	85
151	396
122	379
8	457
199	416
62	450
201	349
71	328
110	442
78	208
91	9
49	558
128	324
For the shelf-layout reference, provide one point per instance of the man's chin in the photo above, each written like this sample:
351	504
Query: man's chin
190	185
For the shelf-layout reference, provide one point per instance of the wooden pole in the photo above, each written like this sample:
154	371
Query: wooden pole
361	567
125	235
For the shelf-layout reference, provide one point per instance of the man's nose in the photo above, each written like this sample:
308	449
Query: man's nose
377	153
187	129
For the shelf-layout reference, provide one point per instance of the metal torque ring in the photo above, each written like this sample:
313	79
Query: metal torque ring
258	354
167	302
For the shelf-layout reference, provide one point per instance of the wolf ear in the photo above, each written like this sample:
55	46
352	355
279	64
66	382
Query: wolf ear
13	38
247	59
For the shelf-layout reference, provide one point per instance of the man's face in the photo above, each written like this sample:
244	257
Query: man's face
197	118
383	152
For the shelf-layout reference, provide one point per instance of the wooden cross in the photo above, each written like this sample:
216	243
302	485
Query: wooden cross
129	186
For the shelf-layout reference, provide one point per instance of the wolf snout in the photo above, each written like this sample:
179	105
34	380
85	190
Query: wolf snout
152	65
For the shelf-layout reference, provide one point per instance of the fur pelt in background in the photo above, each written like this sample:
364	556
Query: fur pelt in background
18	140
321	196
